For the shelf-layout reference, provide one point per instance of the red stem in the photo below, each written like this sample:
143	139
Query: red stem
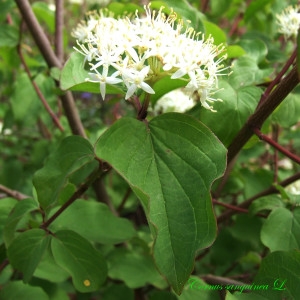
278	78
59	22
281	149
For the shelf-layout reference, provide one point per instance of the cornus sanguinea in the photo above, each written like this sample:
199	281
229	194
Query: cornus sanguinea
289	21
138	51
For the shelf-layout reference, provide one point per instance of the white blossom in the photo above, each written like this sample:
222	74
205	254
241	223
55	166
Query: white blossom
142	50
289	21
174	101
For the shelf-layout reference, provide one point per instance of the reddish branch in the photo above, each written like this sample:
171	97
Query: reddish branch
59	23
274	144
263	112
82	188
278	78
52	60
269	191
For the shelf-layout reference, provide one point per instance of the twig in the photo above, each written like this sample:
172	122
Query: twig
82	188
214	280
242	210
281	149
59	22
275	135
12	193
277	78
45	47
263	112
271	190
126	196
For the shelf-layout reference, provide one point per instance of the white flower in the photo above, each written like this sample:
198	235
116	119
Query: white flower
174	101
143	50
289	21
135	79
104	79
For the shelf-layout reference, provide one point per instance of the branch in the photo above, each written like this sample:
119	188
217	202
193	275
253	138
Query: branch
278	78
45	47
59	22
12	193
82	188
263	112
281	149
271	190
215	280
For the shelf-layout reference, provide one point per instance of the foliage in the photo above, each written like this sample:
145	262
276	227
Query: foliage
113	200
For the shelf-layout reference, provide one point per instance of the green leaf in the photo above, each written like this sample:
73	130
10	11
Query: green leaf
236	107
265	203
6	205
219	7
281	231
49	270
247	229
74	154
184	10
118	9
287	114
95	222
281	271
73	77
245	72
18	290
255	48
9	36
26	251
170	164
215	31
44	14
20	212
234	51
254	7
118	291
135	269
80	259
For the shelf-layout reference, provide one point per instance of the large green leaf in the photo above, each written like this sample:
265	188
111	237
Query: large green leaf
281	231
95	222
20	212
170	163
18	290
74	154
80	259
26	251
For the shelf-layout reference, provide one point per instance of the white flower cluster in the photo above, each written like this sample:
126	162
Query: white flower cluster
137	52
174	101
289	21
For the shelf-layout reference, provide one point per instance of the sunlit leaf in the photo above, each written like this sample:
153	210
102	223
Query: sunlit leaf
170	163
